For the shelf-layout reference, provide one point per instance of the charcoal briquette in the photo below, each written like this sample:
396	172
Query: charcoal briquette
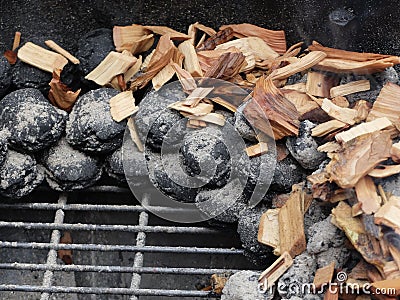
34	124
90	126
5	76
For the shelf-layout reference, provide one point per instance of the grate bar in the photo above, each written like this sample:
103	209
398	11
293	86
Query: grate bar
103	247
113	269
99	290
124	228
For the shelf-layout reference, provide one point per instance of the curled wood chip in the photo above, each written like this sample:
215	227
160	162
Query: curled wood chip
52	45
61	95
213	118
41	58
345	115
349	55
191	61
274	38
113	64
350	88
216	39
364	128
163	30
300	65
383	171
269	106
358	159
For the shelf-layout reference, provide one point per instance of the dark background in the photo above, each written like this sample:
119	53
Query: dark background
375	26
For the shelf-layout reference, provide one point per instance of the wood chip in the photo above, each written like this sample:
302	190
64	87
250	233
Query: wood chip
200	110
383	171
386	104
291	225
41	58
300	65
213	118
163	30
268	278
329	147
254	45
65	254
357	160
216	39
129	38
190	62
302	101
185	78
367	195
11	56
115	63
218	283
319	84
299	87
196	96
364	128
244	47
269	106
227	66
327	127
134	134
332	293
350	88
122	106
342	102
349	55
52	45
268	230
61	95
324	275
163	76
17	41
225	103
389	213
345	115
363	108
133	70
274	38
257	150
141	45
395	152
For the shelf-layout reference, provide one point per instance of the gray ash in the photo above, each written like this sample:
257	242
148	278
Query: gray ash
19	175
90	127
69	169
34	124
5	76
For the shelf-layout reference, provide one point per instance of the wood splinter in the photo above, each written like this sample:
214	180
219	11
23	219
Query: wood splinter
52	45
268	278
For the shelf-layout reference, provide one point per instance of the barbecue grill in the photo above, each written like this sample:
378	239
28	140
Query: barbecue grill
119	250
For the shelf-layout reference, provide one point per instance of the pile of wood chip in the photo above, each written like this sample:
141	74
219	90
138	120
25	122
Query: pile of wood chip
358	139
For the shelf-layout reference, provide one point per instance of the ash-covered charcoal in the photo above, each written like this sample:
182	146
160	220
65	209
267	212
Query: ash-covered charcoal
377	81
205	156
314	214
134	168
5	76
243	285
19	175
154	119
287	173
249	221
90	126
304	148
296	78
114	166
228	199
69	169
4	134
243	127
93	47
34	124
166	174
301	272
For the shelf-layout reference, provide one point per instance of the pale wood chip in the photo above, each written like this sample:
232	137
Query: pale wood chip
350	88
213	118
327	127
122	106
300	87
210	31
17	40
268	230
163	30
345	115
395	152
367	195
196	96
200	110
257	150
386	104
163	76
185	78
52	45
191	61
329	147
383	171
41	58
134	134
126	36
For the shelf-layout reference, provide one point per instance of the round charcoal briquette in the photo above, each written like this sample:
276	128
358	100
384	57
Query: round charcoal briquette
19	175
27	76
34	124
114	166
5	76
69	169
90	126
4	134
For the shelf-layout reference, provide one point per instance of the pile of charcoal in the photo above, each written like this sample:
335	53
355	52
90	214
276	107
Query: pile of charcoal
329	127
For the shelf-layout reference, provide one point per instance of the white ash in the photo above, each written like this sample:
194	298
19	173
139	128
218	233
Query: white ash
90	126
34	124
304	147
243	285
19	175
301	272
69	169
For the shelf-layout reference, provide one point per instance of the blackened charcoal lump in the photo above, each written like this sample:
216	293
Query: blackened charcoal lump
19	175
204	150
287	173
69	169
114	166
133	162
5	76
90	126
243	127
175	185
34	124
154	120
304	147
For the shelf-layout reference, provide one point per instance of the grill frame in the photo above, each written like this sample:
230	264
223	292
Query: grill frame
140	248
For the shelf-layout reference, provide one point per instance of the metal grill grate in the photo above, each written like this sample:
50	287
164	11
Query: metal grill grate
120	251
